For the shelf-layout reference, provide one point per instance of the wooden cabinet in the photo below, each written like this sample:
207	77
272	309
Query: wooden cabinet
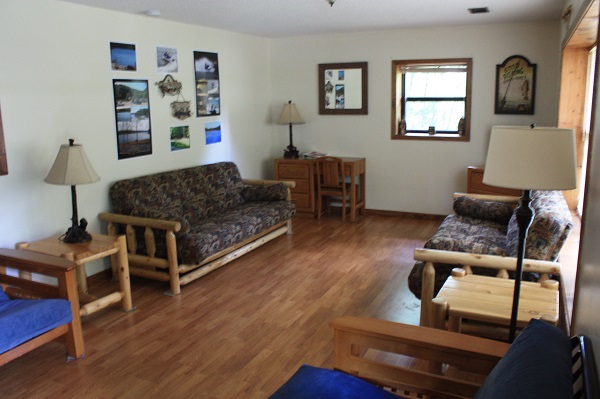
475	184
302	171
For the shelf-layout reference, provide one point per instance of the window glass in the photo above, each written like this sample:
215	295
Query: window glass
431	99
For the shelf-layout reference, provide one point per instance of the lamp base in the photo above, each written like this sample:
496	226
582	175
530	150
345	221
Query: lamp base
77	234
290	152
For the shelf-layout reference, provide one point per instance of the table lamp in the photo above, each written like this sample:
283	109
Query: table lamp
71	168
290	115
529	158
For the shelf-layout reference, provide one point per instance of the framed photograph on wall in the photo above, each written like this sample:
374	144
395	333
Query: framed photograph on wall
132	117
166	60
206	76
343	89
123	57
180	138
212	131
515	86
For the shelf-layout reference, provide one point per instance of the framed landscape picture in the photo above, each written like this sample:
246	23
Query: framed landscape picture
132	117
123	57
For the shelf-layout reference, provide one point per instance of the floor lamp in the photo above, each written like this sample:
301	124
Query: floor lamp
71	168
529	158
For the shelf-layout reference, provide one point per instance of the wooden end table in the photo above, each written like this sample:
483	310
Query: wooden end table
489	299
99	247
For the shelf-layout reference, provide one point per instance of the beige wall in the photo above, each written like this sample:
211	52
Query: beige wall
412	176
56	84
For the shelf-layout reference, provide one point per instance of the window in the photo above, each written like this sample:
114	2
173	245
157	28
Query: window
431	99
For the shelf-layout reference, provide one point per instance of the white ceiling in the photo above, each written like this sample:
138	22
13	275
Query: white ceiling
277	18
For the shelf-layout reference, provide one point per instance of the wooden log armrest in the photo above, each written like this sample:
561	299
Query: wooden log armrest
159	224
500	263
409	358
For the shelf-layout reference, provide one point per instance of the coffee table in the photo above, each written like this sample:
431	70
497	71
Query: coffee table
99	247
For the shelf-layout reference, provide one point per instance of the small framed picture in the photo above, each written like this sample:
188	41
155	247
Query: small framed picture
166	60
122	57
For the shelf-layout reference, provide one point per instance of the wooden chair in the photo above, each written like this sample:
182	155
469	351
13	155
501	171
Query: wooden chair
384	359
23	287
331	183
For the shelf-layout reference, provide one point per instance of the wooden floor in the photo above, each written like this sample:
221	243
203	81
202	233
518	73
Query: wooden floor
242	330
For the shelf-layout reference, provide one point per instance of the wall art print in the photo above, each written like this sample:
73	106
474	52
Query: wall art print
213	132
123	57
166	60
132	116
515	86
180	138
206	70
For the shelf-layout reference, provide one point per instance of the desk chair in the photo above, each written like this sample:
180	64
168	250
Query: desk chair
331	183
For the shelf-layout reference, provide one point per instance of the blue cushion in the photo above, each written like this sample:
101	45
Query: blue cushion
536	366
317	383
24	319
3	296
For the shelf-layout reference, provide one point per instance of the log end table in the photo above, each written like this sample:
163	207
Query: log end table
100	246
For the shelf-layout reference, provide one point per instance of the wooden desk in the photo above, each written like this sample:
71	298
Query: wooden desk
81	253
489	299
475	184
303	172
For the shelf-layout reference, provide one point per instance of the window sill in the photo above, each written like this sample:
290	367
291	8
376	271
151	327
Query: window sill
430	137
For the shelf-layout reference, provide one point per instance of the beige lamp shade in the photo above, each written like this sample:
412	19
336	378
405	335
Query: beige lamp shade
525	158
290	115
71	167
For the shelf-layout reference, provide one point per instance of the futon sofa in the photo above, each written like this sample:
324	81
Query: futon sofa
380	359
185	223
33	313
486	225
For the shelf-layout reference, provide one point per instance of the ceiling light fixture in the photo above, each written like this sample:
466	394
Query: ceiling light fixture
331	2
479	10
152	13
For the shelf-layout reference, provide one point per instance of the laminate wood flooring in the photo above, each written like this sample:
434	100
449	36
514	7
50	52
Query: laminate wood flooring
241	331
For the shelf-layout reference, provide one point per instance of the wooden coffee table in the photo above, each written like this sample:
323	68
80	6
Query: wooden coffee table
99	247
489	299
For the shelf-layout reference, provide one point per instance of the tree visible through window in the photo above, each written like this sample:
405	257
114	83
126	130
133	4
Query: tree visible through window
431	99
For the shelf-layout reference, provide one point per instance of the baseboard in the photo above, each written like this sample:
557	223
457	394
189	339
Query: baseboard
406	215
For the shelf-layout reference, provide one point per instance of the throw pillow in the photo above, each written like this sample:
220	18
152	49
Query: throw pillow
536	366
500	212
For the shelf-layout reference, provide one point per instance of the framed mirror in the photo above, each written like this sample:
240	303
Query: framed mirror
343	89
3	163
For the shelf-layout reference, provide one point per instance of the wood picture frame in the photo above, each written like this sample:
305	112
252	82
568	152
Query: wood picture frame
3	162
343	88
515	86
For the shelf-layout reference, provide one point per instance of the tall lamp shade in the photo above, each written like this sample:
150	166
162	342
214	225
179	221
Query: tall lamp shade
290	116
72	168
529	158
